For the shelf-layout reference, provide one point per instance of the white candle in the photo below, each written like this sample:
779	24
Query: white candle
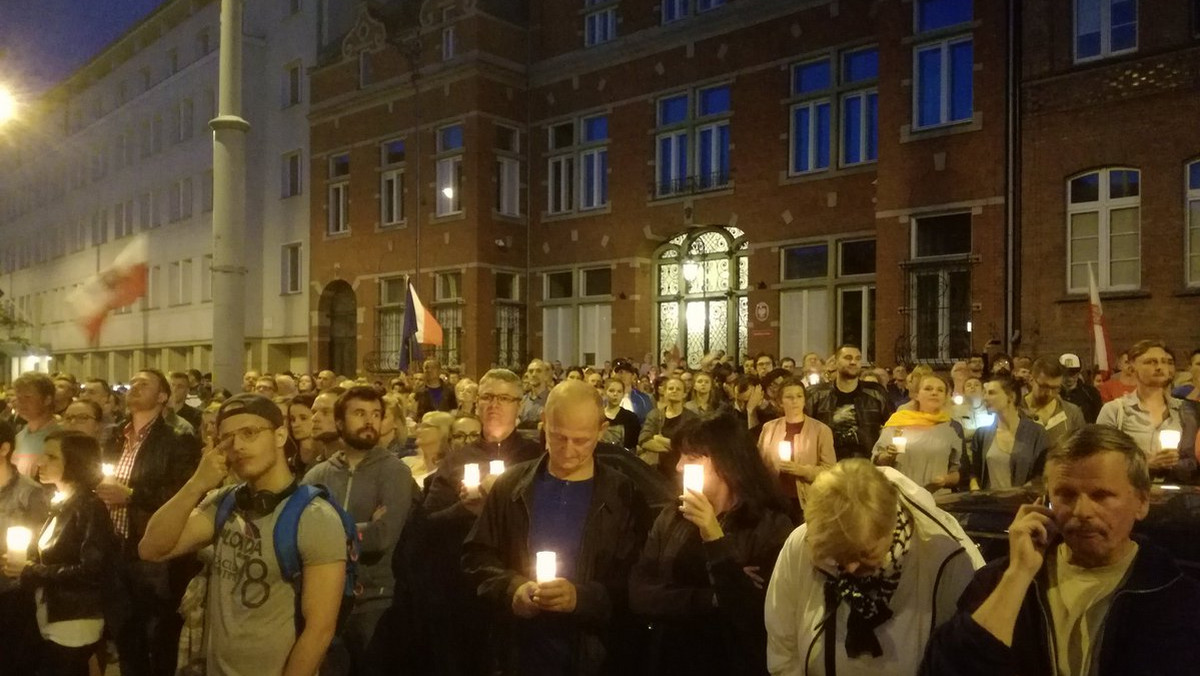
958	400
900	443
785	451
814	379
496	467
18	538
59	496
547	566
1168	440
693	478
471	475
108	470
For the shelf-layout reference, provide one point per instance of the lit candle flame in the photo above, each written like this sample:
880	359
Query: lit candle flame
1168	440
18	539
496	467
693	478
900	442
785	451
471	475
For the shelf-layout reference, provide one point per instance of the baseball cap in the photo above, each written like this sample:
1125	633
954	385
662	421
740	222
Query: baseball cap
253	404
1069	360
623	365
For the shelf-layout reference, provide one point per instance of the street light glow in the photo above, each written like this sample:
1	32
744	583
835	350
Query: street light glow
8	105
448	192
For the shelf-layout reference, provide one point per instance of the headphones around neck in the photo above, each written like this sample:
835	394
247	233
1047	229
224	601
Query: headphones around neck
260	503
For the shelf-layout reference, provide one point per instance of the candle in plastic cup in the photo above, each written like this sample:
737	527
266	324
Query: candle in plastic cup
814	379
900	443
496	467
108	470
1168	440
18	538
547	566
958	400
693	478
471	475
785	451
986	419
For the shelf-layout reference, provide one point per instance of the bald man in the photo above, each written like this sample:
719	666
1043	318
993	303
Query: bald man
583	511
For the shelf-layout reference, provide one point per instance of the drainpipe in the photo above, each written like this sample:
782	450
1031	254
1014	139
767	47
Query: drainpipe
1012	290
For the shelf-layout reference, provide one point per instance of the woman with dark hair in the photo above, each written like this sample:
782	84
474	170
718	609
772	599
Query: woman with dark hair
67	564
701	576
574	373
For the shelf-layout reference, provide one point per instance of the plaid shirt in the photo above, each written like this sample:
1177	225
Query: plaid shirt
124	471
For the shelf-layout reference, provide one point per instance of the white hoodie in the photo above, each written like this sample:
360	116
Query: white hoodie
940	563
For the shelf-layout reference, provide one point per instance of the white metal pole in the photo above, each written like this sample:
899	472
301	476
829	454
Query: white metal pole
229	207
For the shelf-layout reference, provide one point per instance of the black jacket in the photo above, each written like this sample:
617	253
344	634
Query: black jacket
425	402
73	567
871	406
1087	398
1150	628
707	613
497	559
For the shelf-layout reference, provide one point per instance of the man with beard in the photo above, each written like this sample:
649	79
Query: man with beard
1150	409
1045	405
326	440
855	410
379	501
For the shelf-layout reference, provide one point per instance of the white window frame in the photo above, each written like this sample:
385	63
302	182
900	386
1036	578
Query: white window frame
1192	208
569	274
813	105
600	26
560	177
508	185
338	206
291	269
597	159
291	174
391	197
582	290
449	174
713	149
864	95
680	10
1106	51
945	84
448	286
1103	207
677	175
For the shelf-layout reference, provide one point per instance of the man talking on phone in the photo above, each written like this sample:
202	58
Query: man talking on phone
1077	594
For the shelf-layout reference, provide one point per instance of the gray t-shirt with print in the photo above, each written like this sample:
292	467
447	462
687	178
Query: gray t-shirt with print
250	626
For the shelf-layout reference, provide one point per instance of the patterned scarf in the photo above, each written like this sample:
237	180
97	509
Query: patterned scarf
868	596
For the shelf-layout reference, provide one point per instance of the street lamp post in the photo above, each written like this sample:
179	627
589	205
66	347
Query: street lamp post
229	206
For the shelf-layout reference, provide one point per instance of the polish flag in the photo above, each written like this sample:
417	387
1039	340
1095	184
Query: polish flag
1100	346
122	283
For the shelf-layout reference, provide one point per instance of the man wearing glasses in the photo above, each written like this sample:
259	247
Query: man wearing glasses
465	431
457	619
1045	405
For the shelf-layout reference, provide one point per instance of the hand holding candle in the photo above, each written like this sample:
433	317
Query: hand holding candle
693	478
471	479
18	539
108	470
900	443
1168	440
785	451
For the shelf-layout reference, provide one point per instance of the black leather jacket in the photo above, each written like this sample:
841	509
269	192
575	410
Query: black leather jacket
72	567
872	407
165	462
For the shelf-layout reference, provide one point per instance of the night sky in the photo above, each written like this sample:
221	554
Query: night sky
43	41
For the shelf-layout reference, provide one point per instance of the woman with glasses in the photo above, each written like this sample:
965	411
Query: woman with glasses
68	562
466	430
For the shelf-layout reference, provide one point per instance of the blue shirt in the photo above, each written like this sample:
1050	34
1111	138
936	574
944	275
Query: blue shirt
558	517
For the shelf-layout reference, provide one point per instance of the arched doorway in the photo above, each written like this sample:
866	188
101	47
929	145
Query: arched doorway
702	277
339	317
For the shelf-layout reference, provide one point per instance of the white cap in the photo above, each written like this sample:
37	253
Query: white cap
1069	360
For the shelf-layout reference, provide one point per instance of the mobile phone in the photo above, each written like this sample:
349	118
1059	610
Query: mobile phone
1046	501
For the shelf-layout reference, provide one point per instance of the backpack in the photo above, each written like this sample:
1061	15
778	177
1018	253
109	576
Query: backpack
287	547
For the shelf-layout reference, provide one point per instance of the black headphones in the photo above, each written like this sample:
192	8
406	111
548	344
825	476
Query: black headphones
260	503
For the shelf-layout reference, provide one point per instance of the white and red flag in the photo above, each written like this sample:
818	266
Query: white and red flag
420	328
120	284
1100	347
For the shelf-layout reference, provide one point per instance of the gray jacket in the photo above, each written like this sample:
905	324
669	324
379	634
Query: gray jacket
380	480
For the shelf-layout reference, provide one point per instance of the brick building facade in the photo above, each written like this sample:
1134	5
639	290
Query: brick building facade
585	180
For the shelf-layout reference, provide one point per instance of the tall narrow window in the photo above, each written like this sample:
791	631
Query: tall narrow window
593	161
391	187
290	184
599	26
1104	230
712	137
943	82
449	170
1193	223
339	195
290	272
508	171
449	36
290	94
860	107
810	123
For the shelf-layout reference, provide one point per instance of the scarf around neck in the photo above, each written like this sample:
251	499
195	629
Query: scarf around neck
917	419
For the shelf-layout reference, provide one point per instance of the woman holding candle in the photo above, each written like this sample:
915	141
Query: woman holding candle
860	587
654	442
933	444
68	564
1012	449
810	443
700	578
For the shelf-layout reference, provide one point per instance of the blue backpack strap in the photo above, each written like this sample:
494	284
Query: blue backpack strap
287	529
225	509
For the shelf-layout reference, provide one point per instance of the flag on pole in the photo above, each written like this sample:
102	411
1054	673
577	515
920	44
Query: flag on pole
1100	346
420	328
120	284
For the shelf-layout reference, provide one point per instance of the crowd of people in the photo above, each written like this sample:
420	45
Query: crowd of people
720	518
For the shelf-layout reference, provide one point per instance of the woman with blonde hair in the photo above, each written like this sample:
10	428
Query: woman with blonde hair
859	588
433	441
932	446
705	397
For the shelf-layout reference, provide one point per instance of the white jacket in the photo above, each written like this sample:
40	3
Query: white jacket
940	562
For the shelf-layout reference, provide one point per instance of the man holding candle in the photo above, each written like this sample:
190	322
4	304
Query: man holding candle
583	511
377	489
1149	409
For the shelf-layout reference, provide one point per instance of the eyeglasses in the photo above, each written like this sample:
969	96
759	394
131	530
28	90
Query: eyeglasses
466	436
244	435
77	418
487	399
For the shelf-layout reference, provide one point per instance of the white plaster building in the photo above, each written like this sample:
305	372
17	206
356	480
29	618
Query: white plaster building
122	146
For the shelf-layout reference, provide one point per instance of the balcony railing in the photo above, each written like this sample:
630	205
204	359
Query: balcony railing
690	185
